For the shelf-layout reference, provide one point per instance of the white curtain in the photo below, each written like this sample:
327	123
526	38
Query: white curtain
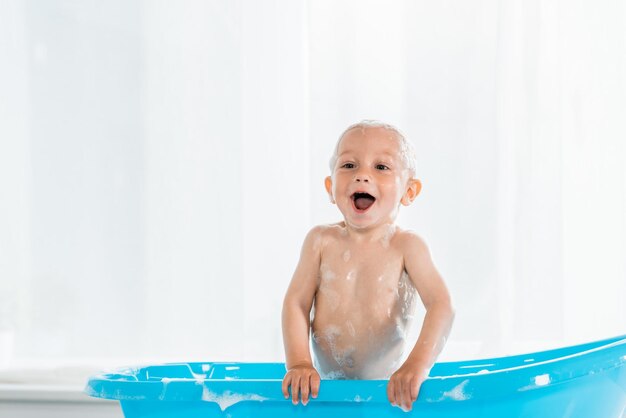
160	165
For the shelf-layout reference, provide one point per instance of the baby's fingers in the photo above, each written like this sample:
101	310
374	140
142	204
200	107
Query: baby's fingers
398	393
415	389
391	396
315	385
407	400
304	389
286	382
295	389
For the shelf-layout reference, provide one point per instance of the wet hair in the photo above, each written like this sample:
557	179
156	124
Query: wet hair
407	152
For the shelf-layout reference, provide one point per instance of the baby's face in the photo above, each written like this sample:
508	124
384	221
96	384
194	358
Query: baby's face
369	179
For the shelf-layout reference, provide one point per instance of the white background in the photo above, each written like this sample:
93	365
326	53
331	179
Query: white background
161	162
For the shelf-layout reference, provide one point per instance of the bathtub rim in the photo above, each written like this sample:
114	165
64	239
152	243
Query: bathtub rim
583	360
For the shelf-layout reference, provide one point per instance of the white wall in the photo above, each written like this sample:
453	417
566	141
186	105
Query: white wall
160	165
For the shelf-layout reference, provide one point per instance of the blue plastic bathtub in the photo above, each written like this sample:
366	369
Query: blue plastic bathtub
584	381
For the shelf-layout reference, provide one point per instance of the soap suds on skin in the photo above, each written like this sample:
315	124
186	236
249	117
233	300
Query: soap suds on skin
408	295
326	273
350	328
331	296
334	345
388	235
334	375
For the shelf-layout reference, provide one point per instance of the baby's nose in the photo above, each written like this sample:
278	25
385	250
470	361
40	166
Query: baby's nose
362	178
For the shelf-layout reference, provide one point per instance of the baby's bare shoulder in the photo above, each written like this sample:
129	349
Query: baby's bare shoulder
321	235
410	242
330	230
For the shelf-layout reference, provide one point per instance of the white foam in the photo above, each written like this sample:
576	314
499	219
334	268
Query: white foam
400	332
335	375
391	229
343	357
346	255
199	377
542	380
457	393
351	329
332	331
166	381
331	295
406	291
229	398
326	272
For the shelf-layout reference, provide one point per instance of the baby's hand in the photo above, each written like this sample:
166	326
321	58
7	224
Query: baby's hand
302	379
404	386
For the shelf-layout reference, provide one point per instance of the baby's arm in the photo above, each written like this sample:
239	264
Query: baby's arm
405	383
301	375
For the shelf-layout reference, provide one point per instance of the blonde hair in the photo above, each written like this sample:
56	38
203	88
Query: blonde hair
407	151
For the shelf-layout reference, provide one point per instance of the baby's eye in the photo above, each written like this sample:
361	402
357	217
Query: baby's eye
348	165
381	167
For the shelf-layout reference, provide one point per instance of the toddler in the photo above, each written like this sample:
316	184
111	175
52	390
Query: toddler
356	281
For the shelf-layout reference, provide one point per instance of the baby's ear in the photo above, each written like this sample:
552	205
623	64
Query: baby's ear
413	189
328	184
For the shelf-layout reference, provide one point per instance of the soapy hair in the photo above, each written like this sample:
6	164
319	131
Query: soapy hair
407	152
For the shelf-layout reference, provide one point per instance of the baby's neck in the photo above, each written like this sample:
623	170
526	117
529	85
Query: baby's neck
380	232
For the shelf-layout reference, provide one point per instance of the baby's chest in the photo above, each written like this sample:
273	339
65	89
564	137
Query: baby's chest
361	274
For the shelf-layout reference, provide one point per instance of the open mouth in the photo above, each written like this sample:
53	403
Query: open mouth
363	201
